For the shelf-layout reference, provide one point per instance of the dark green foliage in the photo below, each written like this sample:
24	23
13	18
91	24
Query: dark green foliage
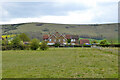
14	47
34	44
86	45
103	42
16	43
43	46
6	28
24	37
57	44
3	42
7	47
26	47
68	40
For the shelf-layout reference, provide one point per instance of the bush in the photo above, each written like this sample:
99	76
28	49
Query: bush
4	48
57	44
69	40
34	44
7	47
103	42
86	45
16	43
4	42
44	46
26	47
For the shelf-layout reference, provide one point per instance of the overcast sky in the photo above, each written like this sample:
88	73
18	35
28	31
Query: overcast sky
60	11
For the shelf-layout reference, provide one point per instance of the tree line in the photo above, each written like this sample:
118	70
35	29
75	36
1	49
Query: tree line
22	42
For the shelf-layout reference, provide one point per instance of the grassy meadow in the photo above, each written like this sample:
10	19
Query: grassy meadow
61	63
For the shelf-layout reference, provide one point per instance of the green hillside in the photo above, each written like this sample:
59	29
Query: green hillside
36	30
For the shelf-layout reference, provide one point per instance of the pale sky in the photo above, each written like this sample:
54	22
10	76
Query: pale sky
59	11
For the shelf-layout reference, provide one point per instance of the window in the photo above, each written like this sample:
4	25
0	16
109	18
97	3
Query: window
72	40
49	39
59	40
63	40
54	40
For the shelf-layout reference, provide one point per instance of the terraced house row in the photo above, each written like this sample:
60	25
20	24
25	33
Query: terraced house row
63	39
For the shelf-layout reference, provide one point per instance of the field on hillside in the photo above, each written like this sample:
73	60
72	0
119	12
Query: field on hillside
61	63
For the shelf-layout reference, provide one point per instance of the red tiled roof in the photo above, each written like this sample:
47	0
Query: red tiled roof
67	36
74	36
82	41
45	36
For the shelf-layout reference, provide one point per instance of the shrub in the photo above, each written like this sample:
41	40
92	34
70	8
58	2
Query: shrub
34	44
16	43
69	40
3	43
103	42
4	48
26	47
57	44
44	46
7	47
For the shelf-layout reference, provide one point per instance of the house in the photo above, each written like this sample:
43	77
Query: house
45	37
60	38
84	41
74	39
68	36
55	38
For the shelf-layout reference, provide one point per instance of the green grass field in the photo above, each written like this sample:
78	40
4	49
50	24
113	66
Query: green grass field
61	63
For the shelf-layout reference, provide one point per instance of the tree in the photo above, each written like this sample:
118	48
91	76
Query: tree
24	37
103	42
3	42
44	46
69	40
16	43
57	44
34	44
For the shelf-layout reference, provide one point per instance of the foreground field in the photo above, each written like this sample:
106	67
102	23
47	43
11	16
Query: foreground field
61	63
